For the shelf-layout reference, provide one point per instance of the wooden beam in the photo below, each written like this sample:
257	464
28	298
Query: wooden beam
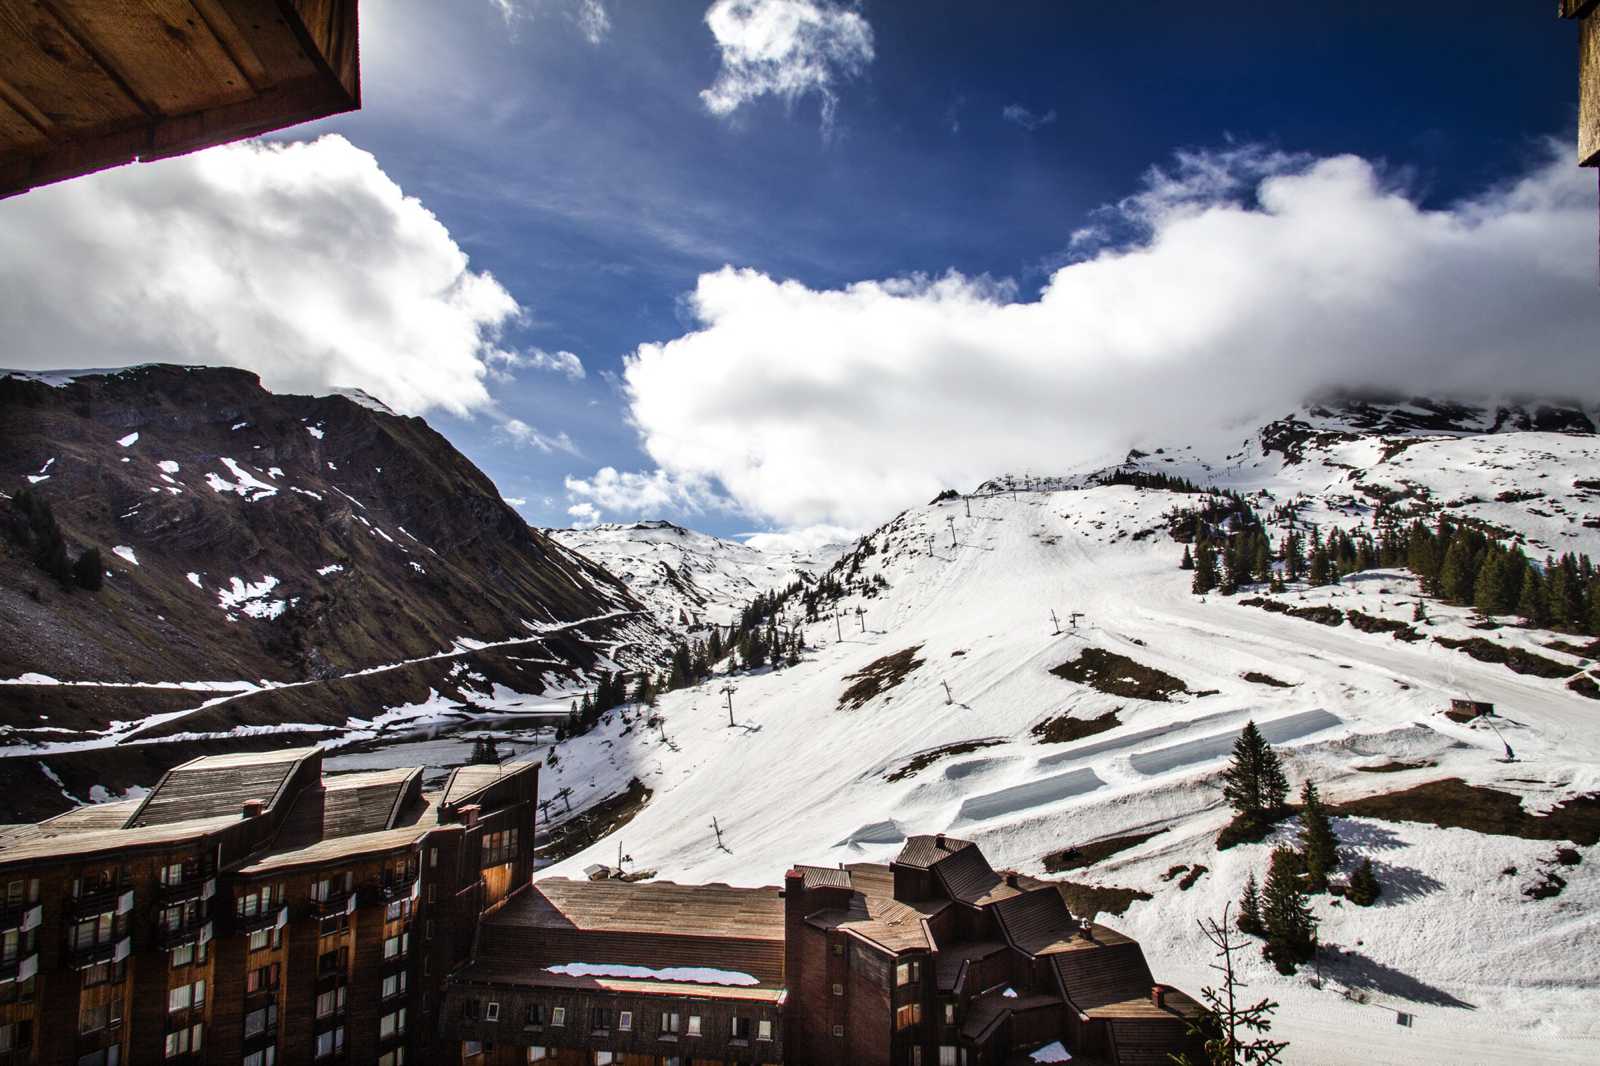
107	64
1589	92
18	101
233	41
1578	9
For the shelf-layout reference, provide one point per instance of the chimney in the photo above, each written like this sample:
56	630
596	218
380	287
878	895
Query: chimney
469	815
253	808
1011	878
938	841
1158	996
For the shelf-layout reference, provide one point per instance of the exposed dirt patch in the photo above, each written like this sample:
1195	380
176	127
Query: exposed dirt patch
1118	675
1371	623
1255	677
1549	885
1195	873
1517	660
1063	728
578	832
879	676
1327	616
1584	685
1590	650
1396	766
1086	901
1095	851
1454	804
922	760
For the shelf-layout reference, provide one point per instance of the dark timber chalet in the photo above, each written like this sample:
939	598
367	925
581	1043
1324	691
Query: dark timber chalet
249	910
933	960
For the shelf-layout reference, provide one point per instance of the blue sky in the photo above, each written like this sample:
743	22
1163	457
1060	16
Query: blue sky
568	149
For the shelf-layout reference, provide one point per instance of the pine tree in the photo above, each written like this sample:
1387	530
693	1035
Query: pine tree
1242	786
1250	908
89	571
484	752
1531	602
1274	785
1291	927
1456	573
1230	1034
1486	588
1261	563
1205	568
1320	846
1187	562
1364	887
1321	571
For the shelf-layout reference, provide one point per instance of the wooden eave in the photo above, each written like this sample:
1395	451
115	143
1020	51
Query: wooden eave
91	84
1587	13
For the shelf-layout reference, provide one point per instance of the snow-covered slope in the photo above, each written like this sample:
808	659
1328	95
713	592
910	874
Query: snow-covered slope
1488	973
689	579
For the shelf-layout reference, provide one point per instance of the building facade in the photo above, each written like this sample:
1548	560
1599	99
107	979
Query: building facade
249	910
934	959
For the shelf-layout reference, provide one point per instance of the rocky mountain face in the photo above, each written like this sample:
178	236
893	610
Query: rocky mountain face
316	558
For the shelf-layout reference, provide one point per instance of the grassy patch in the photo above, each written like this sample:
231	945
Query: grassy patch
606	817
1095	851
1255	677
1118	675
1515	659
1371	623
1584	685
1590	650
1327	616
1063	728
1086	901
1252	828
1454	804
879	676
922	760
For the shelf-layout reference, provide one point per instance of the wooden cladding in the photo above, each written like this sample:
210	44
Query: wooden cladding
86	85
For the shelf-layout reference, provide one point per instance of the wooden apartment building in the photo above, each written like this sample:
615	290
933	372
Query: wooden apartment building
250	910
935	959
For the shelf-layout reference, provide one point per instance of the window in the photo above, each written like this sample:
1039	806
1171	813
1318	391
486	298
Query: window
331	1001
604	1058
333	925
535	1016
397	1057
669	1022
183	1041
558	1016
741	1028
949	1013
93	1018
395	946
492	1012
694	1025
394	984
949	1056
838	1030
908	972
394	1023
838	948
185	996
428	929
916	1055
267	1056
261	979
599	1018
471	1049
764	1029
171	874
330	962
261	939
838	989
537	1054
907	1016
469	1010
261	1021
433	858
625	1021
329	1042
104	973
18	1035
110	1056
499	848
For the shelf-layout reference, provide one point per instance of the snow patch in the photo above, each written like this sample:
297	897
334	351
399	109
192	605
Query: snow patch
699	975
252	599
331	568
128	441
315	431
126	552
168	466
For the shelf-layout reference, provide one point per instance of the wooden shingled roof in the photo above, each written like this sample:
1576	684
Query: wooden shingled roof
874	914
1106	976
922	852
217	785
659	925
89	85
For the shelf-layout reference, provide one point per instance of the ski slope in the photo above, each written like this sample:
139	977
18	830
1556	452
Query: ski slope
1488	974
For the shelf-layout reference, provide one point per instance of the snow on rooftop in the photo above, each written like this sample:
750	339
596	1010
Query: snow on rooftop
1052	1052
698	975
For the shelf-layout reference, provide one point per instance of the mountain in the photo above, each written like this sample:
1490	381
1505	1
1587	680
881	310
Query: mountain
1049	686
270	563
689	579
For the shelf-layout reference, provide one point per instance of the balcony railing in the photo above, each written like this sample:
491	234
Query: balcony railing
262	919
391	888
194	928
116	899
202	886
20	916
84	956
341	901
20	968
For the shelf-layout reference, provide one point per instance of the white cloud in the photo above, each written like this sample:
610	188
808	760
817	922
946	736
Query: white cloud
785	48
651	494
519	432
303	262
585	515
564	363
1254	279
515	501
593	22
1021	116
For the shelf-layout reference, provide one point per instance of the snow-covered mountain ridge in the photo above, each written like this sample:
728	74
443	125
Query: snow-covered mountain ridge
972	613
689	579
